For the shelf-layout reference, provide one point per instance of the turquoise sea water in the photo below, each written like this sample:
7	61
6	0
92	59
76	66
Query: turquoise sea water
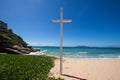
79	52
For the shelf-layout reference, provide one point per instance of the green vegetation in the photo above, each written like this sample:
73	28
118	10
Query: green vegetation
3	25
25	67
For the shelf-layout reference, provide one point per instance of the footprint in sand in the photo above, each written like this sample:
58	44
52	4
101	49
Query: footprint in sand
66	67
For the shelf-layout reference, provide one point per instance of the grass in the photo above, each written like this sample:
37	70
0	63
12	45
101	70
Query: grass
25	67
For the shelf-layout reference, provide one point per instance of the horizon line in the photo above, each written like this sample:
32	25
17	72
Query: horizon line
83	46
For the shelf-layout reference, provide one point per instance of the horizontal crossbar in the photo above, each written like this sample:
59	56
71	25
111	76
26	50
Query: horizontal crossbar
64	21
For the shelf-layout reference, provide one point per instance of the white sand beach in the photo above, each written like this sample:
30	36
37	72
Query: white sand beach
88	69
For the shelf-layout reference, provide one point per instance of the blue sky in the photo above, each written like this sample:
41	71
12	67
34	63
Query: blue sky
95	22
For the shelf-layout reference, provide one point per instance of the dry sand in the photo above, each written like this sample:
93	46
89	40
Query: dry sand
88	69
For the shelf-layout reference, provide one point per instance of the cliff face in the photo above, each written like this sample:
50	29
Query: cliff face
12	43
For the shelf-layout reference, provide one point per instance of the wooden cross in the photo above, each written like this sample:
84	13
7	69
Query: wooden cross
61	21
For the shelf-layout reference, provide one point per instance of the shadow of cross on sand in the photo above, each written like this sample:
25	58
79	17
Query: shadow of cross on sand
78	78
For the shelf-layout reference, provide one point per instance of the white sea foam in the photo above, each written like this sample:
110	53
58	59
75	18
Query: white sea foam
83	52
119	56
38	52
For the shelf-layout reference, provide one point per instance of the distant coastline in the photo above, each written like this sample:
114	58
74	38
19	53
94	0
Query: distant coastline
78	47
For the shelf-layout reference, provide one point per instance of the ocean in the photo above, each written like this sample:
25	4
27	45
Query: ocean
81	52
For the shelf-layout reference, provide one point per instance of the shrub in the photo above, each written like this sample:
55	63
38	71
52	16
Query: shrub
25	67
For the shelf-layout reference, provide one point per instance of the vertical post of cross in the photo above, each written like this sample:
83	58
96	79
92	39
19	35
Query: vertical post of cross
61	21
61	36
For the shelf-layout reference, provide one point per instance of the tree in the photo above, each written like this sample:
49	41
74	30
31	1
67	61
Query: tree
11	30
3	25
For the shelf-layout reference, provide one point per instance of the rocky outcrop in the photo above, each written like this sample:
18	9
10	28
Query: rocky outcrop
11	42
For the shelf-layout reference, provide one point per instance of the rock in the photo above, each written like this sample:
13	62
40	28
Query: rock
12	43
13	51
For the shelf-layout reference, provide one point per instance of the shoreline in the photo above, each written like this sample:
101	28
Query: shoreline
88	68
81	57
